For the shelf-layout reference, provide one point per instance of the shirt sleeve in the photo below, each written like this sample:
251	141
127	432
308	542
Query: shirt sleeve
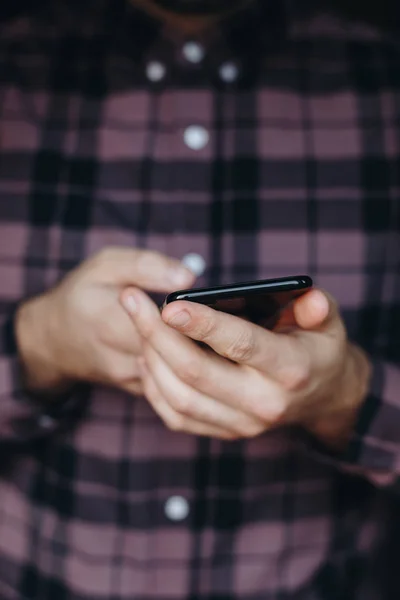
23	416
374	448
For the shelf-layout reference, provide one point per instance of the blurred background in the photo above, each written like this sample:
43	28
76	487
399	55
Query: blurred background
385	13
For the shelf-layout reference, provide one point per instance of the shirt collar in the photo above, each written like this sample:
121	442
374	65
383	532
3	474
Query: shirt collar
239	42
230	51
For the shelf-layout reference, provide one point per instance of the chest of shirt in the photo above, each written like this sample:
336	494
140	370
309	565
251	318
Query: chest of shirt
296	174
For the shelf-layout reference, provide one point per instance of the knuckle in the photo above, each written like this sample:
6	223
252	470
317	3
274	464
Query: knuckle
175	423
252	430
106	254
191	373
241	349
182	403
118	372
269	411
205	328
103	259
148	331
295	377
277	413
143	262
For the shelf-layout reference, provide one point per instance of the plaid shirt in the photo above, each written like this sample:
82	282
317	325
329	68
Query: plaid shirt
275	153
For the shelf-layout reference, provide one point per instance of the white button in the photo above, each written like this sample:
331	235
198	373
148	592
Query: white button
193	52
229	72
176	508
196	137
155	71
195	263
46	422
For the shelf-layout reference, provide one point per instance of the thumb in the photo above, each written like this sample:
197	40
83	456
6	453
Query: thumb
314	309
145	269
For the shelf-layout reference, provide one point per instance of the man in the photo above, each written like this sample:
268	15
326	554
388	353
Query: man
158	144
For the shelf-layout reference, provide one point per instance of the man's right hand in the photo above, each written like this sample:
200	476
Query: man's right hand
79	331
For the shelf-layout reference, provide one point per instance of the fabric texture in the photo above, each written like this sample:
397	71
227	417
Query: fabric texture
296	171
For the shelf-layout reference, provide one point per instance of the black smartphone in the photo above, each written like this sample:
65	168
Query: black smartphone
258	301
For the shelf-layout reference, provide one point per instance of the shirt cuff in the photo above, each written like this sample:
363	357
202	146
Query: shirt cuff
24	416
374	447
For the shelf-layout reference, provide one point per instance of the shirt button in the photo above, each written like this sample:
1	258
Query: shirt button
195	263
229	72
155	71
193	52
46	422
176	508
196	137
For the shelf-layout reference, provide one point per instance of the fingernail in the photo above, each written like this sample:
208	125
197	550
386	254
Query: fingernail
180	319
130	304
180	277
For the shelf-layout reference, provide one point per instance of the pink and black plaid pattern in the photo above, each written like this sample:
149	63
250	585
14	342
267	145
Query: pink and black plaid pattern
301	175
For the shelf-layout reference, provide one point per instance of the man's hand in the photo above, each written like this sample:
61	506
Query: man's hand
249	379
79	332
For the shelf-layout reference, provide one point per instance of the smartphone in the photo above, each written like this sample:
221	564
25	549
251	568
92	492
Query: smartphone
258	301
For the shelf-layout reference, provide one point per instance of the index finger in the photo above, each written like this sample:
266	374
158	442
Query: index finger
236	339
147	269
205	371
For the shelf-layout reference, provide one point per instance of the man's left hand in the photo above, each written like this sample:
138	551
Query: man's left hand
244	380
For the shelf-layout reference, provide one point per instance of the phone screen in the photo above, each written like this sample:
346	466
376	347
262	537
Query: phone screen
261	309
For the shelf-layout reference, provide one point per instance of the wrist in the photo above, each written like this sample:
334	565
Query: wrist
33	333
336	427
